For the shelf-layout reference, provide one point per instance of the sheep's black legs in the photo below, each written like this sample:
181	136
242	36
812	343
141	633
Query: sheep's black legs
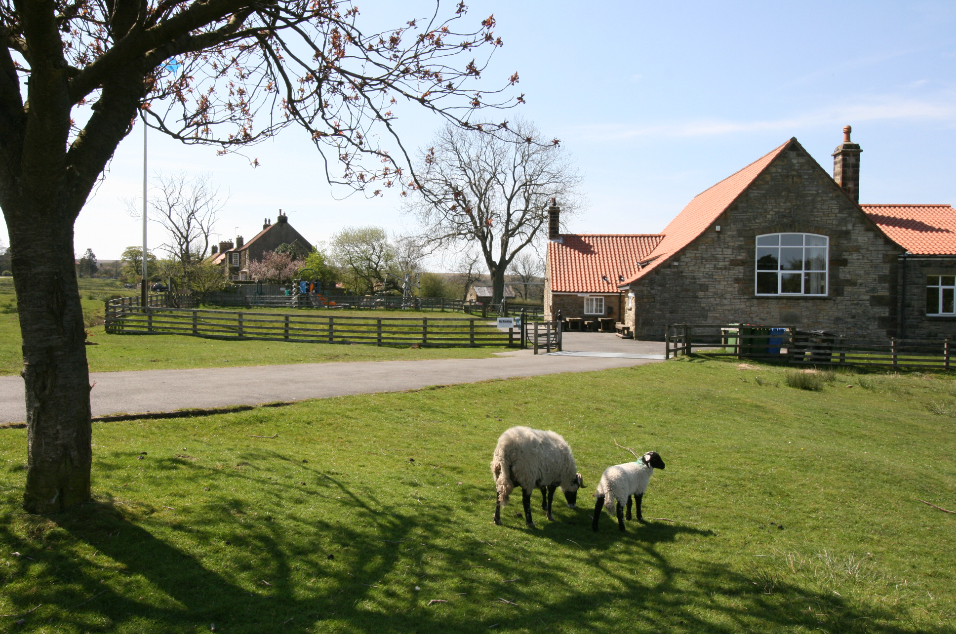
627	515
498	510
597	512
544	498
620	515
550	496
637	500
526	501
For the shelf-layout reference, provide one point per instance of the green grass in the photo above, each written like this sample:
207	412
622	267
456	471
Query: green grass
113	353
785	510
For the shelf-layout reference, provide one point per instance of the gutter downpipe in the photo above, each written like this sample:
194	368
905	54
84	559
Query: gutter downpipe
902	309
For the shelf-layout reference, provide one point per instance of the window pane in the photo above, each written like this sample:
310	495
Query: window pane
816	259
947	280
791	259
766	241
816	284
767	258
791	282
948	300
766	283
932	280
932	300
791	239
816	241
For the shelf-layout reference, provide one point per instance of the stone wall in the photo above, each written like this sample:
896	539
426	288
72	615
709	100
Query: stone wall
572	305
915	324
712	280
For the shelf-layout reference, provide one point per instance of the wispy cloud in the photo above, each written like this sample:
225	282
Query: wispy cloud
875	109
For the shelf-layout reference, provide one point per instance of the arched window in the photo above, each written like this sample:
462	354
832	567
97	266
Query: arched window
792	264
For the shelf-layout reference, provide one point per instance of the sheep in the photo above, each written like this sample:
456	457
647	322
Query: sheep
622	481
534	459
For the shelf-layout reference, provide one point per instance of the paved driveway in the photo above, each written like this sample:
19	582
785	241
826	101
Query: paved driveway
169	390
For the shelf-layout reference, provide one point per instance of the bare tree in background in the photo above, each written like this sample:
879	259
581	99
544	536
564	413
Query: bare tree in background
491	192
528	270
467	270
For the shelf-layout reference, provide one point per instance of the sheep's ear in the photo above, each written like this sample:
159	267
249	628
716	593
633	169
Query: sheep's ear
581	482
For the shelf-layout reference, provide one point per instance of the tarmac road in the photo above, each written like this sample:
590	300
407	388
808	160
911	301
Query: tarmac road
152	391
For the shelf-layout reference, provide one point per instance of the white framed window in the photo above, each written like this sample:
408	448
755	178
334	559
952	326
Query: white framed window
235	258
593	305
941	295
792	264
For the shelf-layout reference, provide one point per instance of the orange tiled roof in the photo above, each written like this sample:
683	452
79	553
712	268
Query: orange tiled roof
584	263
703	210
920	229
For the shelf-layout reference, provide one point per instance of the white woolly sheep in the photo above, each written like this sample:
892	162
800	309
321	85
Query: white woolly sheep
620	482
534	459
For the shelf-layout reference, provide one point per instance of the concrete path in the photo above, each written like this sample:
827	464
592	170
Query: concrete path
152	391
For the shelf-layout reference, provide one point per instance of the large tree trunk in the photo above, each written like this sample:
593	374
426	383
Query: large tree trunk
55	371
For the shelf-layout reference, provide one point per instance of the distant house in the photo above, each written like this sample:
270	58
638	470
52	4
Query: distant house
235	257
483	294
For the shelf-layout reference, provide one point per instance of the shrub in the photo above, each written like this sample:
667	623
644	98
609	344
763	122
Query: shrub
811	380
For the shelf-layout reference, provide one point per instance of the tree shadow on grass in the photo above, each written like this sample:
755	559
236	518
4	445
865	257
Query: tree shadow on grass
350	559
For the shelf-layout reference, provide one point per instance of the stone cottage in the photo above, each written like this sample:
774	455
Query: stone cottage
782	243
235	257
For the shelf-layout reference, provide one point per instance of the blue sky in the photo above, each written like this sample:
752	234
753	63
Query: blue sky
655	102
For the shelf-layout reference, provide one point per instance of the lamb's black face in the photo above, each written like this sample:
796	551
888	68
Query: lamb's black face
653	459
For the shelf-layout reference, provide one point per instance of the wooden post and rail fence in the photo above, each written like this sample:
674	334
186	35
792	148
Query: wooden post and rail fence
126	316
805	347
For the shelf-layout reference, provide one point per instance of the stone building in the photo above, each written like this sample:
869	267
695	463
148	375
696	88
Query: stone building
235	257
782	243
483	294
583	271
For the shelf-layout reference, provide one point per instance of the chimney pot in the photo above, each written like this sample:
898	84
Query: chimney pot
214	249
239	242
846	166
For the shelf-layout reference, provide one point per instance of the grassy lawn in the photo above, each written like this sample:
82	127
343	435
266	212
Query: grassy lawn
780	510
112	353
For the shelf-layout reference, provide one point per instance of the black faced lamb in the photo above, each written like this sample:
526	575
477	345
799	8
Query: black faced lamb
534	459
620	482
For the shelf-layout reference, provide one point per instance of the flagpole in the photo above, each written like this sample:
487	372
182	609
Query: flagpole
144	297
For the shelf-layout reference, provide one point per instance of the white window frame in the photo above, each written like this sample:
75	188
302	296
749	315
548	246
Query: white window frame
945	291
234	259
592	303
770	244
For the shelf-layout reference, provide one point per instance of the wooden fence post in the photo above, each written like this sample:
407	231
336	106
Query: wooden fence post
195	323
842	350
285	333
331	328
946	354
472	322
379	330
560	339
239	321
667	342
149	320
536	337
893	350
424	330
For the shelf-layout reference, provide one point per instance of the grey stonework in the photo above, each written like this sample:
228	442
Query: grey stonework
914	323
572	305
712	280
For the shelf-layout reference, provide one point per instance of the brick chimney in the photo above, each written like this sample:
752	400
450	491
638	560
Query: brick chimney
266	224
554	221
225	245
282	218
239	242
214	250
846	166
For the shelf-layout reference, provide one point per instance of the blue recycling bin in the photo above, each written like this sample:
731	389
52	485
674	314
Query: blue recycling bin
776	340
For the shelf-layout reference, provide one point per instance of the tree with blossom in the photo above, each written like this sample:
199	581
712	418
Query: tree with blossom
275	268
75	75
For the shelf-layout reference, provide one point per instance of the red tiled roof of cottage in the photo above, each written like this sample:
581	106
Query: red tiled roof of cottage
920	229
584	263
702	211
